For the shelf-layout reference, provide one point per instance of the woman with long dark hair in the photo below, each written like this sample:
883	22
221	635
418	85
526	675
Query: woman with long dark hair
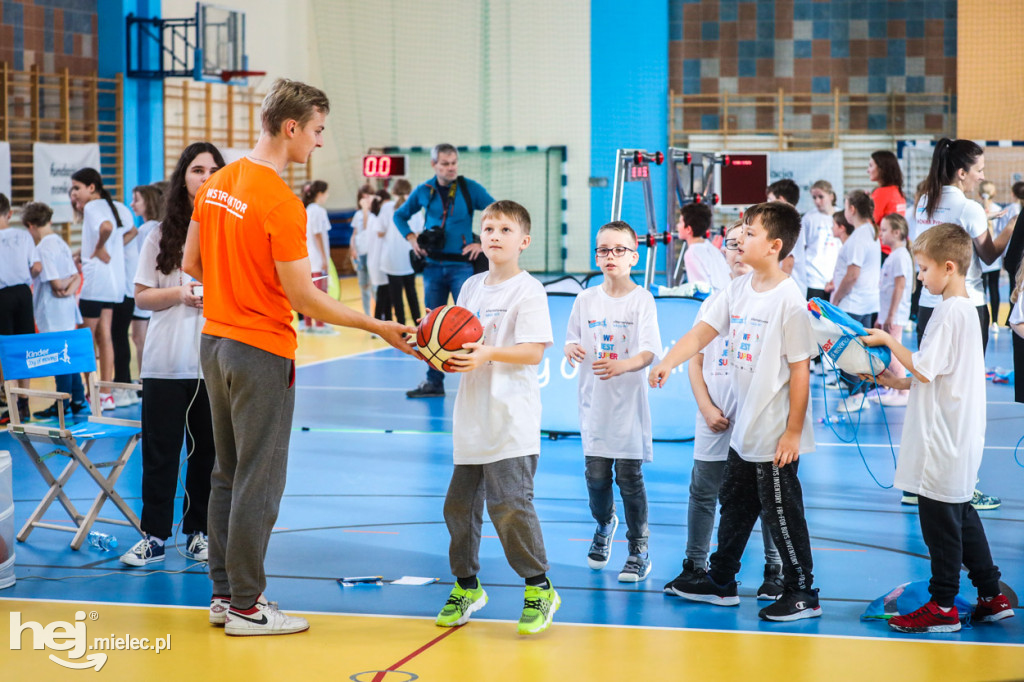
105	226
958	167
175	404
884	170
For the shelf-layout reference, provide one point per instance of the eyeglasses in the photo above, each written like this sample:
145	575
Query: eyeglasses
618	251
732	244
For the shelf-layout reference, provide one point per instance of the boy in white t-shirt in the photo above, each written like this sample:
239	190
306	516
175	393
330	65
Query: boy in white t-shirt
704	263
894	298
613	334
54	296
944	435
18	265
771	345
712	388
496	425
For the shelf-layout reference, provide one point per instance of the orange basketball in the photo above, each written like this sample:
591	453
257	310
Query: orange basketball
442	333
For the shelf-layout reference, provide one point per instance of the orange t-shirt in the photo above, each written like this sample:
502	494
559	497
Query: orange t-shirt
888	200
248	218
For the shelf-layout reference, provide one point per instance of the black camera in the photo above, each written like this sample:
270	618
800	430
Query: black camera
432	239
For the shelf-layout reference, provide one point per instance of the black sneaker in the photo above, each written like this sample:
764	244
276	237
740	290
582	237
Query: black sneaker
691	574
793	605
426	390
708	591
79	406
771	589
49	413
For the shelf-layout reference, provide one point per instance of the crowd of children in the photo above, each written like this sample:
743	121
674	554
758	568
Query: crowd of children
752	348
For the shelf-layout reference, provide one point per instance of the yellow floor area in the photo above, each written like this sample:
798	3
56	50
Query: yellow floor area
384	649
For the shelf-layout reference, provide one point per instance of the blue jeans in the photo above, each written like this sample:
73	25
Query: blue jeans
630	478
71	383
441	278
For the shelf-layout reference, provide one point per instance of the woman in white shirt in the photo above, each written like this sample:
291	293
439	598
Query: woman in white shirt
318	224
362	222
105	224
175	405
395	263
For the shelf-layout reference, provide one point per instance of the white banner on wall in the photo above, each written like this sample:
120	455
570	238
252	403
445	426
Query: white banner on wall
5	169
806	168
52	168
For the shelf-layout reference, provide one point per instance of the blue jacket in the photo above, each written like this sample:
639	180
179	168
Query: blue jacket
459	225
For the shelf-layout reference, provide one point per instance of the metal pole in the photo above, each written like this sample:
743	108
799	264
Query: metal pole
620	179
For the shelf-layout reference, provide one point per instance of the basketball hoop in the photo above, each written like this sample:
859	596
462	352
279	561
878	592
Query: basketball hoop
228	76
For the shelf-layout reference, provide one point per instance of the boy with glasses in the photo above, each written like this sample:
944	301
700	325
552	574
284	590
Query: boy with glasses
613	335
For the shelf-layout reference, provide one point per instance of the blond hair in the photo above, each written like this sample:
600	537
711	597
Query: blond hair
1019	285
946	242
511	210
897	224
290	100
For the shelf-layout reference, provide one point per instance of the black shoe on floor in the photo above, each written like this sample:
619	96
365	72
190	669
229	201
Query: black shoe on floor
793	605
690	576
708	591
426	390
49	413
79	406
771	589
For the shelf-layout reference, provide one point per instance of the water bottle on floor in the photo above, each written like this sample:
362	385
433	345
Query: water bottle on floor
102	541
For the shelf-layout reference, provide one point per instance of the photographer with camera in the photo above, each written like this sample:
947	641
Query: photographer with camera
447	244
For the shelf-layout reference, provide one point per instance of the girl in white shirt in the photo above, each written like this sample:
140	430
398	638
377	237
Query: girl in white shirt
383	209
396	263
314	197
105	223
821	247
175	402
359	243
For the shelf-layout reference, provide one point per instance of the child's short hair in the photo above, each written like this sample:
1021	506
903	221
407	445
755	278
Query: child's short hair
780	221
898	224
36	214
946	242
785	189
840	219
5	204
698	218
506	208
291	100
620	226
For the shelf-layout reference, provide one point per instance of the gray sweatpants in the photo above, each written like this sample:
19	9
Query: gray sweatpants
252	397
507	486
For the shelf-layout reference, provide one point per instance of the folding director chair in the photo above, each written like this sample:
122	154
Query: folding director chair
30	356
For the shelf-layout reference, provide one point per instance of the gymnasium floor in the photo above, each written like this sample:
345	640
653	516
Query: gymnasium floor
367	476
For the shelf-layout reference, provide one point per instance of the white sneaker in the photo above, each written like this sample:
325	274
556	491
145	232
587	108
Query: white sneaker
219	610
263	618
853	403
107	402
196	549
876	394
145	551
894	399
122	397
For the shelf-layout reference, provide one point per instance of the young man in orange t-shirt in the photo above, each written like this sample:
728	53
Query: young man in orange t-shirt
247	245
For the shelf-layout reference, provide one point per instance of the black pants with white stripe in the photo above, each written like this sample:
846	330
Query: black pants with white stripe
752	489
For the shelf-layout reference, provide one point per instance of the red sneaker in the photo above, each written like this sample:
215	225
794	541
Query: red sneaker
928	618
992	609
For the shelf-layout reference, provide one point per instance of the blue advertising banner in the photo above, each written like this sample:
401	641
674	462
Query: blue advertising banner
30	356
672	407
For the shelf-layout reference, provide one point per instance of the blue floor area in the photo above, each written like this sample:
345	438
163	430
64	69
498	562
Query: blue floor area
366	482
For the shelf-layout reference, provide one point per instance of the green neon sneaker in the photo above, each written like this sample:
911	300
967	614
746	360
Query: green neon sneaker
460	605
539	606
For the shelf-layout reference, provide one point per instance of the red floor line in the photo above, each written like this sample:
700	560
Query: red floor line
380	675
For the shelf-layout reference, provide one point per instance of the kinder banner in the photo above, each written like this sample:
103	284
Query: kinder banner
806	168
52	168
5	169
673	407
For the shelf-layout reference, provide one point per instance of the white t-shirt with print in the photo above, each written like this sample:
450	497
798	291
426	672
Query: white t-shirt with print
821	248
395	259
104	281
172	341
17	256
1017	313
954	207
863	250
497	408
131	263
898	264
615	415
709	446
767	331
944	431
705	263
317	227
54	313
